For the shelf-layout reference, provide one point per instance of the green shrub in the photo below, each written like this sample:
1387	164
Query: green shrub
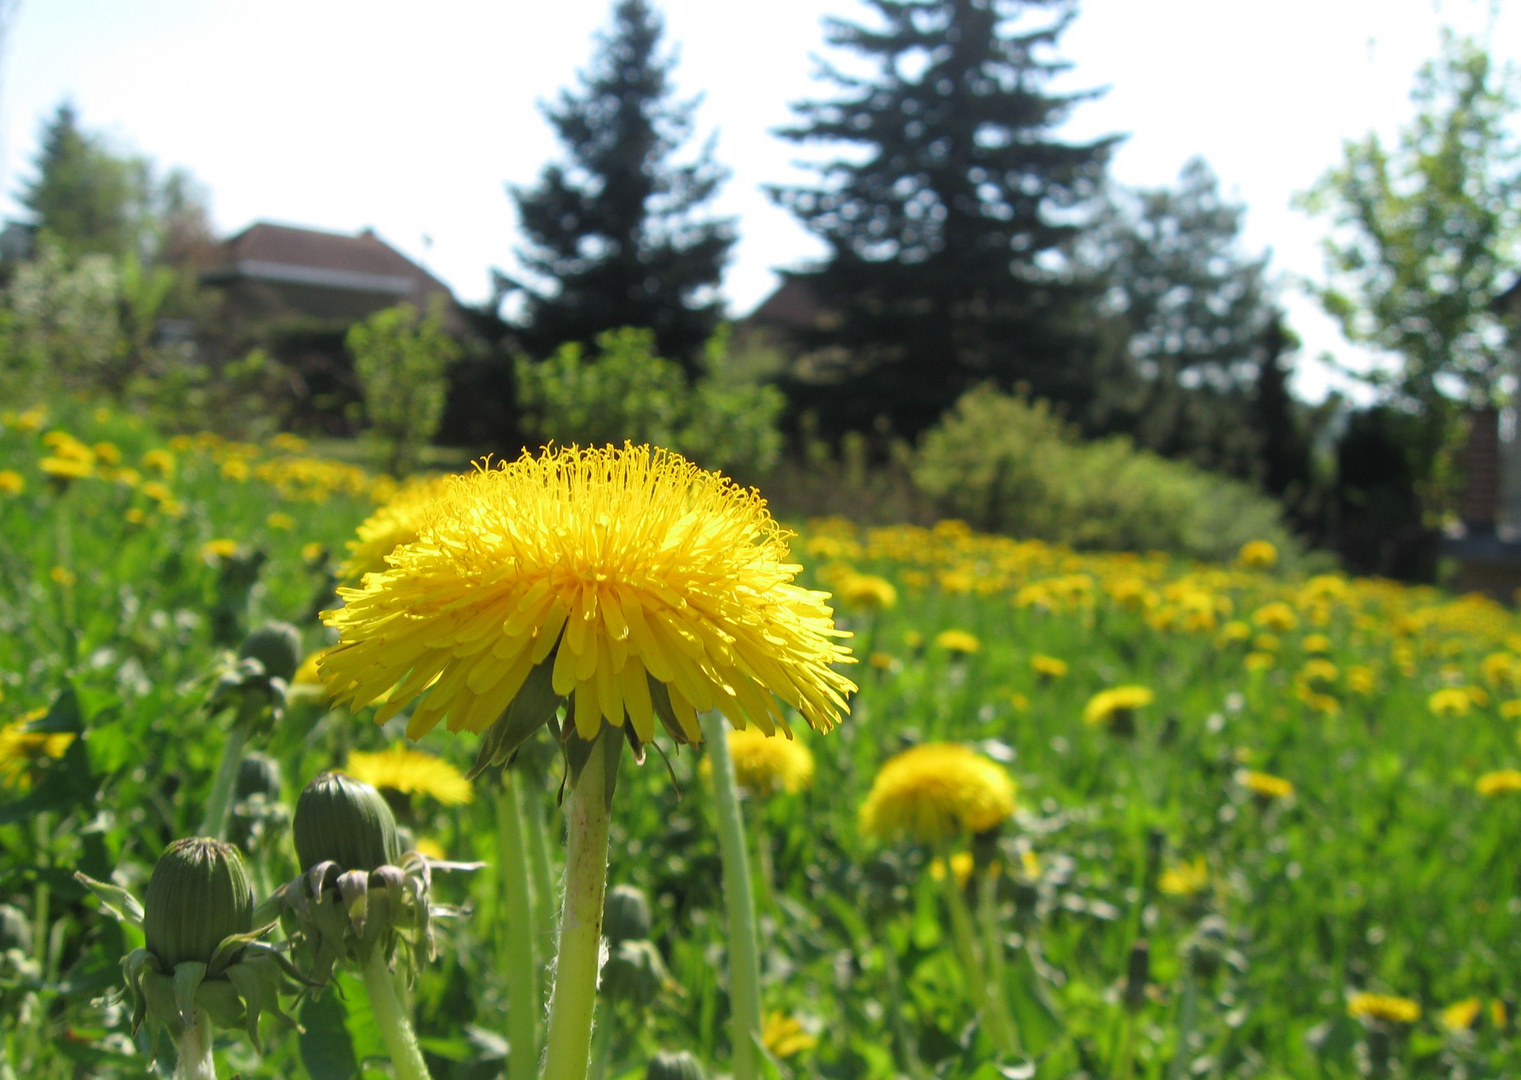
400	362
627	392
1008	465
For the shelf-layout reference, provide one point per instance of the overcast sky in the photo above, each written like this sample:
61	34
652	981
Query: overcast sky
410	118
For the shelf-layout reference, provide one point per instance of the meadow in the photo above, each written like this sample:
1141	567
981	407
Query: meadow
1263	827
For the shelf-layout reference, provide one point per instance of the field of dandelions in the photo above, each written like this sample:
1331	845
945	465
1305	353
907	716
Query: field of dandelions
1261	825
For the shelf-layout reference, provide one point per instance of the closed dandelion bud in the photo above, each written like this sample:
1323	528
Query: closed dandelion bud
678	1066
276	645
259	775
339	819
625	915
634	972
198	895
1137	975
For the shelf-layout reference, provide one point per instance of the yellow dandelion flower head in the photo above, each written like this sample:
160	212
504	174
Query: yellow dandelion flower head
396	522
1107	704
1461	1015
1450	701
31	421
281	521
1500	669
1361	679
957	642
160	461
1318	670
1277	616
937	791
1234	632
106	452
1185	878
867	592
212	551
1387	1007
1259	661
625	578
767	764
67	468
1316	643
22	750
785	1036
431	848
1500	782
1257	555
411	771
1264	784
11	482
1048	667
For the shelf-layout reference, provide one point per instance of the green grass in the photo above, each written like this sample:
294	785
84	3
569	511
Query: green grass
1384	872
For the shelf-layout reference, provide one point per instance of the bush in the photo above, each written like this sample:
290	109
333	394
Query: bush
400	363
629	393
1008	465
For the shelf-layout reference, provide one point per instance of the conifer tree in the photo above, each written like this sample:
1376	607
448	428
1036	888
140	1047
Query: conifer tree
615	237
85	198
946	216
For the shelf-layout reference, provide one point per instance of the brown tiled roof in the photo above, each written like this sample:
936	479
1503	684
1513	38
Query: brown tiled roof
792	305
322	258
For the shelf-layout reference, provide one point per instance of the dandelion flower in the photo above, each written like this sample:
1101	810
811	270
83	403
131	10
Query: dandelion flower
1048	667
1501	782
410	771
21	750
1277	616
1185	878
937	791
962	865
397	522
1387	1007
1264	784
1257	555
1316	643
783	1036
866	592
1108	705
1461	1015
629	580
11	482
766	765
1450	702
958	642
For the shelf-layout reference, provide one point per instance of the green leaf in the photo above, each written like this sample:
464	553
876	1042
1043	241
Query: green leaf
327	1049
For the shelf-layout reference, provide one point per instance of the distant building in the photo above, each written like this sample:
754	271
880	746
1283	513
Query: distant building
275	273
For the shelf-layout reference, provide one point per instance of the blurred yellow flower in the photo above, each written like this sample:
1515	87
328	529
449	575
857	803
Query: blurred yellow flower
312	552
768	764
1233	633
1360	679
936	791
1449	702
1108	705
11	482
1267	643
281	521
1499	782
1510	710
62	575
962	864
784	1036
1277	617
1257	555
109	453
21	751
957	642
1316	643
430	848
1386	1007
396	522
31	421
160	461
1185	878
1461	1015
411	771
1048	667
1264	784
866	592
221	548
1318	671
646	585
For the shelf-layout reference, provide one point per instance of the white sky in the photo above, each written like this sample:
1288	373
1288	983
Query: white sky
409	118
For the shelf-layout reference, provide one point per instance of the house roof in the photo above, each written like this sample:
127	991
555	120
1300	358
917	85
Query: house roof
289	255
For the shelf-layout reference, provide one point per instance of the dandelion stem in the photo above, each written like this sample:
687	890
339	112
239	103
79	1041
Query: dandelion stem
194	1050
993	1018
391	1019
739	897
998	977
521	931
572	1003
531	787
214	823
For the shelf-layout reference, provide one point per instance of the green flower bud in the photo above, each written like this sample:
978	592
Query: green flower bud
678	1066
341	820
259	774
276	645
198	895
634	972
625	914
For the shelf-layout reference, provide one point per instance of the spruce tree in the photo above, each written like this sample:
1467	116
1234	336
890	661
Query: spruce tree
614	234
85	198
947	216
